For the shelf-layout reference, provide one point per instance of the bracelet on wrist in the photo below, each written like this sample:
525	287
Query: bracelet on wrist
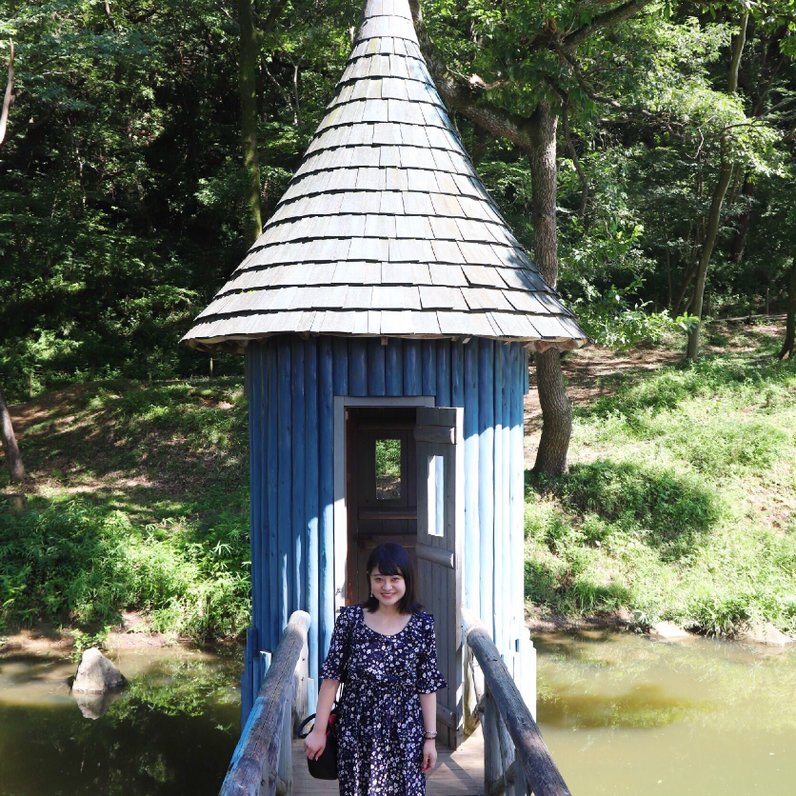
430	736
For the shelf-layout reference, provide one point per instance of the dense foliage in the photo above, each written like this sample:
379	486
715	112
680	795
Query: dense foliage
124	205
122	202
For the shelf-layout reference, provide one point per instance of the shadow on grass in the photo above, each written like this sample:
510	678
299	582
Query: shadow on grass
667	511
151	450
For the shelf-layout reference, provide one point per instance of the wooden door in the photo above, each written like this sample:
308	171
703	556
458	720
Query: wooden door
440	525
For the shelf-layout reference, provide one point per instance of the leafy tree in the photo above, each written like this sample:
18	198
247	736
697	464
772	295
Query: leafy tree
515	74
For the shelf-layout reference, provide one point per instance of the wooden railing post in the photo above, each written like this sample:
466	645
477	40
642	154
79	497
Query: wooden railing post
508	722
261	763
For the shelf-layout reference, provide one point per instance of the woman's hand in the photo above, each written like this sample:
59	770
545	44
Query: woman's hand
314	744
429	755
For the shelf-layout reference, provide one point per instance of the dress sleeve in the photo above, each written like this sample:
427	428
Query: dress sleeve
429	677
340	647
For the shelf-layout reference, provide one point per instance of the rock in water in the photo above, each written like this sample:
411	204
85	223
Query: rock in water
668	631
96	674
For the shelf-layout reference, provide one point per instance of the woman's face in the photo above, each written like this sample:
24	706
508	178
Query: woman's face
387	589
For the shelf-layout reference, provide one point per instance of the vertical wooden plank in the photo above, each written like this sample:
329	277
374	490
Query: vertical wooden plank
525	666
311	503
358	367
298	447
340	354
413	377
443	386
428	361
377	356
486	475
515	384
457	375
472	593
326	491
284	513
394	366
270	632
501	553
253	383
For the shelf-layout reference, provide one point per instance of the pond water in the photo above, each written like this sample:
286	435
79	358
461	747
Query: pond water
624	714
172	731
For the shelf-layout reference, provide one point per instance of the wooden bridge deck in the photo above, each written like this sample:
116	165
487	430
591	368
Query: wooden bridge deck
459	773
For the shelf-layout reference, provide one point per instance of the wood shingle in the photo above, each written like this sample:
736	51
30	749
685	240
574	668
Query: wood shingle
386	228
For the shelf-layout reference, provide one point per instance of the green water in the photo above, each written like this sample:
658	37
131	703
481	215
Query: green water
623	714
171	732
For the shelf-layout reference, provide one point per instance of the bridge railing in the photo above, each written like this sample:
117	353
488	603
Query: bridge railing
262	763
517	761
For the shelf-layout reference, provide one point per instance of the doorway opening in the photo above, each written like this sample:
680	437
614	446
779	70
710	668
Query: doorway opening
381	487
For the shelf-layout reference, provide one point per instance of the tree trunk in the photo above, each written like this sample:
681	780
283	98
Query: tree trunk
9	93
551	457
13	456
711	233
247	90
719	192
790	324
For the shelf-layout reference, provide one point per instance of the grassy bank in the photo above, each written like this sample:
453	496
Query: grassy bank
680	503
138	499
681	499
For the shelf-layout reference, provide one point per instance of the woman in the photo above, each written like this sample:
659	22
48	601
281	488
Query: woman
385	652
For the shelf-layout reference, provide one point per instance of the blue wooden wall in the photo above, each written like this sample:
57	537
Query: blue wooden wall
291	385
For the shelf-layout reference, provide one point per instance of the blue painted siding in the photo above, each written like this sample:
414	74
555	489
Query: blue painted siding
291	385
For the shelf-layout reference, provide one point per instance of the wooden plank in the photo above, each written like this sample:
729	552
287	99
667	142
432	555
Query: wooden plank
434	297
311	505
357	368
268	620
413	377
326	494
472	592
428	358
394	367
501	562
486	474
284	514
298	448
377	384
458	773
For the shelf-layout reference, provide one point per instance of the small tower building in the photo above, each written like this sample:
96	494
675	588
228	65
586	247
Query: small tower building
386	314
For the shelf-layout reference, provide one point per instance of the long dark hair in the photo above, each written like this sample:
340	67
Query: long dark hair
392	559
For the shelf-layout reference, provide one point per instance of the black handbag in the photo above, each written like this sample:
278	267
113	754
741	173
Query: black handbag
325	767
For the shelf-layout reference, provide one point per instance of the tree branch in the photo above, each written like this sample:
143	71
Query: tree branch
605	20
8	95
737	50
582	178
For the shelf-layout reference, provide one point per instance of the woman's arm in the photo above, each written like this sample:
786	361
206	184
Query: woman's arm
315	742
428	706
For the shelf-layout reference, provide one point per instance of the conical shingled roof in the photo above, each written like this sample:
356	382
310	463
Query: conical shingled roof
386	229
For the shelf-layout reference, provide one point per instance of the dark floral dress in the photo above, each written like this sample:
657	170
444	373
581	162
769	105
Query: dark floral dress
380	740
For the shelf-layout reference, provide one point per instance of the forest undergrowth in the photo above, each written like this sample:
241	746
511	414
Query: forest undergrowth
680	502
